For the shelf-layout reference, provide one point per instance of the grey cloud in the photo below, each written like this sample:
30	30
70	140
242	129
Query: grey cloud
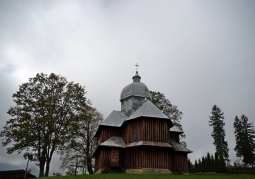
198	53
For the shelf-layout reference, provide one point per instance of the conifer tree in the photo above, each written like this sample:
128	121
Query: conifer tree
208	160
203	162
190	164
218	133
212	161
245	140
199	163
216	159
196	166
222	161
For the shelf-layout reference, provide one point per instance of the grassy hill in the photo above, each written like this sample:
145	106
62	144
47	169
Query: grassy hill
142	176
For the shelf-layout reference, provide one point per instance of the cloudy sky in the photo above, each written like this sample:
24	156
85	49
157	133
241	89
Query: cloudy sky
198	53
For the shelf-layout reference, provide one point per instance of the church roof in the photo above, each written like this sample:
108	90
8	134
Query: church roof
148	109
147	143
175	129
178	147
116	118
135	89
114	142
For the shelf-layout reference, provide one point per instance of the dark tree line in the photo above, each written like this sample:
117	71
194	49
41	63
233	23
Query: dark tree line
209	161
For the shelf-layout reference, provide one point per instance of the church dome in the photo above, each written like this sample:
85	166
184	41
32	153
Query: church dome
136	88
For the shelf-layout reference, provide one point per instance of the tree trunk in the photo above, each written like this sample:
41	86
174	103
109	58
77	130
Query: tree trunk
49	157
89	165
47	167
42	161
41	166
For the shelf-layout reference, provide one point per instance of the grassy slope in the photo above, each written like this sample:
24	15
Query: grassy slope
142	176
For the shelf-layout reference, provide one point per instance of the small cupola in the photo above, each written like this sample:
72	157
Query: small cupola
137	77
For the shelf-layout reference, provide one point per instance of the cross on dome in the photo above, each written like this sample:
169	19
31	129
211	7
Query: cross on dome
137	67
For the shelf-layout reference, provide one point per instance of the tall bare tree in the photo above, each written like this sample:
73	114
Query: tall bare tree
83	145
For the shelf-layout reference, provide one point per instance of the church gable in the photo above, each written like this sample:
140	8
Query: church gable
148	109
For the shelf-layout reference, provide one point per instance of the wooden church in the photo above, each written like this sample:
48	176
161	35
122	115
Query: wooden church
140	138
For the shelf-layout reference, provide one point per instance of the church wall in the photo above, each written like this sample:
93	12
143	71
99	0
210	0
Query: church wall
98	161
108	132
180	162
175	137
106	160
146	129
131	104
132	131
146	157
126	106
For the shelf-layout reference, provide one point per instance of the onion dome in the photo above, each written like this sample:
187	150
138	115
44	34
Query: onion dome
136	88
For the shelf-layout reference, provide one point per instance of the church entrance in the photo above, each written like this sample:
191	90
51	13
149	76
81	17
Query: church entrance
114	157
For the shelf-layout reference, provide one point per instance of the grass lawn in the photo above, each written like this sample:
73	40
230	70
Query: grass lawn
155	176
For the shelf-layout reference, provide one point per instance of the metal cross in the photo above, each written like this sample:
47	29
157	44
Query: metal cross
137	66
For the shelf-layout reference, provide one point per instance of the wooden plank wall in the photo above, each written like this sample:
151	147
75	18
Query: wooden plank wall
106	157
108	132
175	137
180	162
147	130
98	162
146	157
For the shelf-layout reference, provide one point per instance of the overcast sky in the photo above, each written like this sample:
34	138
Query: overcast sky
198	53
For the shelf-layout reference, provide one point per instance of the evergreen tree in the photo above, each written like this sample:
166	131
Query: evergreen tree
196	166
245	140
222	161
216	159
203	162
190	164
218	133
199	163
212	161
208	160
